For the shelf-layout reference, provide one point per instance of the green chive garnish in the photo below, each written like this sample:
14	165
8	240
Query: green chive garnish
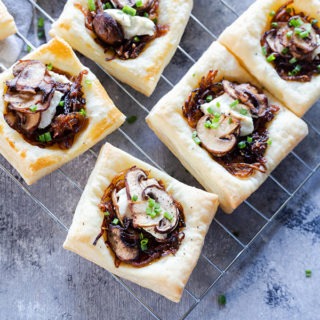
242	144
130	11
107	6
40	34
285	51
107	213
218	104
168	216
61	103
139	3
244	112
264	50
91	5
146	15
295	22
222	300
115	221
47	136
41	138
132	119
274	24
308	273
210	110
33	108
304	34
195	137
136	39
269	142
29	49
289	34
151	203
271	57
155	20
249	139
144	244
234	103
296	70
209	98
50	66
83	112
88	82
293	60
272	13
41	22
134	197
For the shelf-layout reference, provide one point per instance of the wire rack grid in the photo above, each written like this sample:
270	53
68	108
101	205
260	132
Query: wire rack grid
235	235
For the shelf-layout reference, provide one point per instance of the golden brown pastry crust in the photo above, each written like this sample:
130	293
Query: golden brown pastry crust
168	275
142	73
7	25
167	121
33	162
242	38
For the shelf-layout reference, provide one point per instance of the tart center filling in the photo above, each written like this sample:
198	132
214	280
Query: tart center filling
123	27
293	44
44	105
142	222
230	122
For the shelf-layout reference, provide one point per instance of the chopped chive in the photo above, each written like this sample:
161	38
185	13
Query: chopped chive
132	119
207	124
214	125
193	74
83	112
234	103
218	104
61	103
40	34
274	24
304	34
91	5
195	137
33	108
298	31
107	6
29	49
271	57
151	203
318	67
249	139
293	60
146	15
264	50
115	221
47	136
244	112
272	13
144	244
295	22
222	300
296	70
136	39
314	21
41	138
242	144
209	98
289	34
134	197
217	115
210	110
168	216
129	10
41	22
50	66
107	213
155	20
88	82
139	3
285	51
269	142
308	273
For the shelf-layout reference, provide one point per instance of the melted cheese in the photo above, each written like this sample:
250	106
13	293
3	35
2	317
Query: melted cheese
222	104
132	25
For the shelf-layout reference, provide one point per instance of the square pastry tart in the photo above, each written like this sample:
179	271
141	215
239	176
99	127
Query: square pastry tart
140	224
278	41
133	40
52	110
226	131
7	25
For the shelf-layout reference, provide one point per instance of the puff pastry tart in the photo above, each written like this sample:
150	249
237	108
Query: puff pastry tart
52	109
7	25
133	40
140	224
227	131
279	43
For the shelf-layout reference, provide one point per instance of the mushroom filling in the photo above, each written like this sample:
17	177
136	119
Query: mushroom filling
230	121
123	27
293	44
142	222
44	104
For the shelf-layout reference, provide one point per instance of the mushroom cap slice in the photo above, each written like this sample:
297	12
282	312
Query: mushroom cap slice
123	251
222	140
140	217
133	178
107	29
29	122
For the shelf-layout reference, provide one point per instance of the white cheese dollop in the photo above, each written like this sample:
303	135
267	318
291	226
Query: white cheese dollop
47	116
123	203
132	25
222	104
317	50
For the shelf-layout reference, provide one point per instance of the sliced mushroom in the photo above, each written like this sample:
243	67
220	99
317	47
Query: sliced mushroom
29	121
11	119
123	251
140	217
107	29
20	65
222	140
248	95
134	178
30	77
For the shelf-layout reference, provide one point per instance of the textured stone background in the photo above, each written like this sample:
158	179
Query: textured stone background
40	280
